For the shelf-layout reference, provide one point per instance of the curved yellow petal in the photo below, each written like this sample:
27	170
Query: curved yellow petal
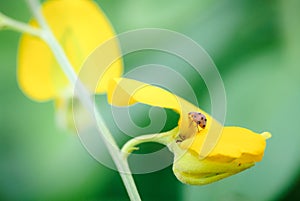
123	92
235	143
79	26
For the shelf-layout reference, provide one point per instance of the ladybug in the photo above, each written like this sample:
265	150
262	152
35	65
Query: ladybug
198	118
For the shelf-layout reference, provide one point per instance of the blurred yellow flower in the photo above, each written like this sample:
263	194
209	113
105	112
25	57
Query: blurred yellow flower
235	150
79	26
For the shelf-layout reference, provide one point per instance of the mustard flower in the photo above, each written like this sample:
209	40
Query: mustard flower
235	148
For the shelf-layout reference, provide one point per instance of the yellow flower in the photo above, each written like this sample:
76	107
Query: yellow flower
79	26
234	148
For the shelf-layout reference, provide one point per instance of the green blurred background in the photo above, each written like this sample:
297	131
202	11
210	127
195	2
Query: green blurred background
256	47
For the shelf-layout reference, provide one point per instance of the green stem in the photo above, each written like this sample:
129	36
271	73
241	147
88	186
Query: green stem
162	138
85	98
6	22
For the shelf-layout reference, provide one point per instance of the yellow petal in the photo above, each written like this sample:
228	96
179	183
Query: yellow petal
123	92
79	26
235	143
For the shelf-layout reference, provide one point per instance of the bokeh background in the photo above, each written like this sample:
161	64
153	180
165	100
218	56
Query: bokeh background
256	47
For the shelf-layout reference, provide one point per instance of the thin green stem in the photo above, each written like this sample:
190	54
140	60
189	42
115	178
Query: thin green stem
52	42
6	22
85	98
163	138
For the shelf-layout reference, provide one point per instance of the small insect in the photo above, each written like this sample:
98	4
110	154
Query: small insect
195	117
198	118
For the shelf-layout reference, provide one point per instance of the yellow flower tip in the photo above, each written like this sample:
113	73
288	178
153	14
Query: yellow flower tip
119	96
266	135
